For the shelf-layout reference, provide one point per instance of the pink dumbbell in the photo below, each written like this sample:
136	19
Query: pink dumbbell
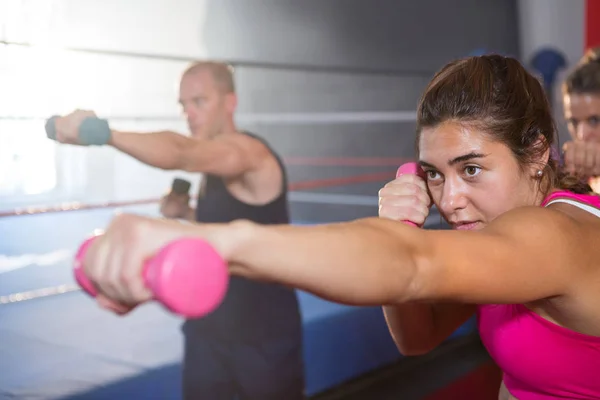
410	168
187	276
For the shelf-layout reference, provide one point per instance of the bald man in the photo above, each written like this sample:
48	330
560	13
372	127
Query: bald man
250	348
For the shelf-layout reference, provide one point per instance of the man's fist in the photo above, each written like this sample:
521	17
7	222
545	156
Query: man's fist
67	127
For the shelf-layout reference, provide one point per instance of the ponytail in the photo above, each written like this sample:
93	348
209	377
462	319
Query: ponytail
561	179
591	56
568	182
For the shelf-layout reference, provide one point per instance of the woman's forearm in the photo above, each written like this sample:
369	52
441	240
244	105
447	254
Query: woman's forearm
411	326
359	263
419	327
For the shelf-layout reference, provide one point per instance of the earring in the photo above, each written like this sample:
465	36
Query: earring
539	173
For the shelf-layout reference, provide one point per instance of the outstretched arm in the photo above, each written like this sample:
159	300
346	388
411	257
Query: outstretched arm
525	255
228	157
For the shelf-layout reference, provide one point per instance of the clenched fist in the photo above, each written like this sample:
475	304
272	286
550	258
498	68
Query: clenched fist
582	159
176	206
67	126
405	199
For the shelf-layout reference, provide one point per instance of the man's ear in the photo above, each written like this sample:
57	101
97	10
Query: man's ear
231	102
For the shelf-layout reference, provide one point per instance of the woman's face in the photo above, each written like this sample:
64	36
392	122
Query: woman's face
472	179
582	113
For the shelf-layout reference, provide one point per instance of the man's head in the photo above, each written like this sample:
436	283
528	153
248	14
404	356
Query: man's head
208	99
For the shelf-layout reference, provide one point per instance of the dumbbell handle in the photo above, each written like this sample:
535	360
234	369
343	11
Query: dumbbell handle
180	186
409	168
93	131
187	276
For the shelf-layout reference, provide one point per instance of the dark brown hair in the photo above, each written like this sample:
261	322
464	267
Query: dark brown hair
497	95
585	77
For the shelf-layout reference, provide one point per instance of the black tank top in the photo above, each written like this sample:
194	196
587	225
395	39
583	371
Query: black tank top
251	310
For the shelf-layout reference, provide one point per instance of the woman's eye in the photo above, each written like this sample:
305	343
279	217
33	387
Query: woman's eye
472	170
432	175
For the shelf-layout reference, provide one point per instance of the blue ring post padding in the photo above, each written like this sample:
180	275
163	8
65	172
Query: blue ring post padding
94	132
547	62
51	127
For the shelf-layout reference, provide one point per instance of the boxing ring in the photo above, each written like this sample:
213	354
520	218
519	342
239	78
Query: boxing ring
55	343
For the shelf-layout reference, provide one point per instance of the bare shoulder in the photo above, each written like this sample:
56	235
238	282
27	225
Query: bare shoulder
583	218
262	156
560	228
558	219
263	181
247	142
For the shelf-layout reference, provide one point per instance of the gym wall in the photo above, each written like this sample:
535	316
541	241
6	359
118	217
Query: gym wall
325	83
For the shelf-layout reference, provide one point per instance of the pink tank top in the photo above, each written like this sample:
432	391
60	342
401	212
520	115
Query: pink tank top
542	360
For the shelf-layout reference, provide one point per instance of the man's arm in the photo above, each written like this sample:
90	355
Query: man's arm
177	207
229	156
191	214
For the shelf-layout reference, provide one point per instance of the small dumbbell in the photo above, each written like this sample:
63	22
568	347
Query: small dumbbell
181	186
187	276
92	131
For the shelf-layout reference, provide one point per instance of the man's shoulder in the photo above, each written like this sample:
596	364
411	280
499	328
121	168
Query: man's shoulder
256	138
262	155
261	143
